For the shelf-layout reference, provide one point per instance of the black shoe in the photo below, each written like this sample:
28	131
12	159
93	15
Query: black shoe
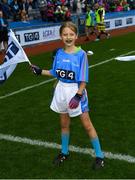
60	159
99	163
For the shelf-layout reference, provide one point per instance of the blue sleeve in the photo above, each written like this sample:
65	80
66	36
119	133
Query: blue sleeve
55	59
84	69
53	70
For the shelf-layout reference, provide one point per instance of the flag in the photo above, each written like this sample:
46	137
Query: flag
125	58
14	55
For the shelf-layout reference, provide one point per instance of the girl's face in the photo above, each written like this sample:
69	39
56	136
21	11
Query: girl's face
68	36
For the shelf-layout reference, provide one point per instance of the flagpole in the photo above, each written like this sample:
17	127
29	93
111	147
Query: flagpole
29	62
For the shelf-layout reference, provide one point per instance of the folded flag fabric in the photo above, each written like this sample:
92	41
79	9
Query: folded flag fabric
125	58
14	55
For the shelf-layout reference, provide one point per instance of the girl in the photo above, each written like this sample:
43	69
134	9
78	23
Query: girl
70	99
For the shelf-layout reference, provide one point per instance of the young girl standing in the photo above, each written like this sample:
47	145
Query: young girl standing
70	99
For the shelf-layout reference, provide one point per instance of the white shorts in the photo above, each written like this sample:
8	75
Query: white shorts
62	96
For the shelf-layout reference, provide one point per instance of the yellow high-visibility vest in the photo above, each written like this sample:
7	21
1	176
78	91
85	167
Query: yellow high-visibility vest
100	19
88	19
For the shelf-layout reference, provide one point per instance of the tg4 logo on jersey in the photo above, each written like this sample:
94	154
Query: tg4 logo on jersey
65	74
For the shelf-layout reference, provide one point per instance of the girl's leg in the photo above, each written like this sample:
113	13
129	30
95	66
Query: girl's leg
65	129
87	33
85	119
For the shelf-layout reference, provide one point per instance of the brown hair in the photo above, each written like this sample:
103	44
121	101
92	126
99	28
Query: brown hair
70	25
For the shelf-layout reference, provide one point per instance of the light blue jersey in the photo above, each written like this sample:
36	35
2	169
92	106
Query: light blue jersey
70	68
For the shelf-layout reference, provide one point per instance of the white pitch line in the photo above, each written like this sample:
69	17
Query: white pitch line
108	60
50	80
26	88
88	151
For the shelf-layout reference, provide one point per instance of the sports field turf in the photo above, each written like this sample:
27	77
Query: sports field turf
26	117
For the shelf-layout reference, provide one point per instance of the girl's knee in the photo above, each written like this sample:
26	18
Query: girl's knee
89	128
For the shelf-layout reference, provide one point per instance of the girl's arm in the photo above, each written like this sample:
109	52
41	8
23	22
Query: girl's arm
38	71
46	73
81	88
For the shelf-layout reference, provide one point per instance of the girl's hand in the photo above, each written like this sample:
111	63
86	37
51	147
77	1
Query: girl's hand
74	102
36	70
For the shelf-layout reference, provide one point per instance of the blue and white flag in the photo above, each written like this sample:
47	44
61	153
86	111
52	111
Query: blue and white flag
14	55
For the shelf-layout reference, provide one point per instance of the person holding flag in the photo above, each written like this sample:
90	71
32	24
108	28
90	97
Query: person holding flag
70	67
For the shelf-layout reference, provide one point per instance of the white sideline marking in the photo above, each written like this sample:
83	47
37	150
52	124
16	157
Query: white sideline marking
50	80
108	60
26	88
109	155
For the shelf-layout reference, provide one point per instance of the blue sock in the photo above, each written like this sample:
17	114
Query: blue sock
96	145
65	142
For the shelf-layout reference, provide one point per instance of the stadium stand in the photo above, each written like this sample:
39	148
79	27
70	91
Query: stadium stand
35	27
55	10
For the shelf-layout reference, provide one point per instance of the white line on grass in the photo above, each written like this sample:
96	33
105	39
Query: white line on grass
26	88
88	151
50	80
108	60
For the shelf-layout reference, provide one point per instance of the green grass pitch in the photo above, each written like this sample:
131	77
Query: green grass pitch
111	93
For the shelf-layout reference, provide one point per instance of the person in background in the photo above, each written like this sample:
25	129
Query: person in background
70	67
24	6
100	16
6	9
15	9
42	4
50	13
125	5
67	14
3	32
89	23
59	14
79	8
